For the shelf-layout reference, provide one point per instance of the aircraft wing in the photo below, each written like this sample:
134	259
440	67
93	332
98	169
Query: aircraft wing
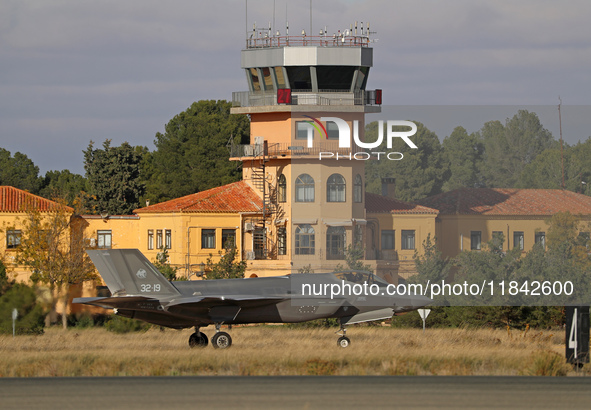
121	302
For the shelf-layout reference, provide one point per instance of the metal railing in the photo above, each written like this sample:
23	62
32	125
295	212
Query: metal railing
298	148
340	40
305	97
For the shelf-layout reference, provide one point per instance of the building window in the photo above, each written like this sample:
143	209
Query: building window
168	238
358	189
228	238
254	77
159	239
305	241
13	238
408	239
335	188
281	241
387	239
304	188
332	130
104	239
518	238
541	238
336	238
475	240
150	239
282	188
208	239
304	130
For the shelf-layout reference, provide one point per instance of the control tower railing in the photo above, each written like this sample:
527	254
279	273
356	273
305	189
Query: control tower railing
306	97
335	40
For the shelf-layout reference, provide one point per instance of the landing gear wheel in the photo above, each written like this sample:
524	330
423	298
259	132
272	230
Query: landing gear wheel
198	340
343	341
221	340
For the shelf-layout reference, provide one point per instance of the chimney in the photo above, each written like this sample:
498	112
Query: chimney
389	187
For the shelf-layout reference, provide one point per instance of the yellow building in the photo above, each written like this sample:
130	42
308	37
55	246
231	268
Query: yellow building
14	206
470	217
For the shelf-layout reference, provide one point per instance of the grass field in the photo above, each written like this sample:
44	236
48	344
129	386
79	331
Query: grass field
279	350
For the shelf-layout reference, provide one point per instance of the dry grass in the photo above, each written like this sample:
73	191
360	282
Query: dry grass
277	350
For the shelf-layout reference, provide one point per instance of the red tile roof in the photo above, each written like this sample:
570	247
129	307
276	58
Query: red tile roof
382	204
235	197
16	200
505	201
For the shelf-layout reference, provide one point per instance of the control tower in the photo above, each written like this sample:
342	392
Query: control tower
301	91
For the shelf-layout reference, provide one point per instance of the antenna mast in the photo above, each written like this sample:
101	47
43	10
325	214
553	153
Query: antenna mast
310	17
561	149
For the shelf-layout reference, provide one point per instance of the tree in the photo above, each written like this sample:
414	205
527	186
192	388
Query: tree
431	266
53	248
227	267
63	184
354	255
419	174
509	148
113	175
162	264
464	154
18	171
192	154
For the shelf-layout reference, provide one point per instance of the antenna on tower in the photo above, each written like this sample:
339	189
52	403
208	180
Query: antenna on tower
310	16
561	149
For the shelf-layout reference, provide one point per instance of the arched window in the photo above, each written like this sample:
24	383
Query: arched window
304	188
335	188
358	189
336	237
282	189
305	241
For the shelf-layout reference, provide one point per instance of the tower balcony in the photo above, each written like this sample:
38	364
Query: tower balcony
282	150
307	99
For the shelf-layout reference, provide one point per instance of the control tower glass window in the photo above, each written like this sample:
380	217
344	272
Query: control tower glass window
299	77
254	77
280	77
304	188
335	77
267	78
361	78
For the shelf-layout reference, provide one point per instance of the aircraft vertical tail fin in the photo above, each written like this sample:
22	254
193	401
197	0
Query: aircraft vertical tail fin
129	272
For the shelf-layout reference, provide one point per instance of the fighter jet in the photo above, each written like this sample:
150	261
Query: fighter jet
140	291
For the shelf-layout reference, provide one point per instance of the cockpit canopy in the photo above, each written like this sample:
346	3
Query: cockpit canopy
360	278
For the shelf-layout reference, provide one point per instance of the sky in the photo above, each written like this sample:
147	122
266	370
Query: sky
72	71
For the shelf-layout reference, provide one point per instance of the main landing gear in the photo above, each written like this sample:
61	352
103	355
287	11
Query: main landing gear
221	340
343	341
198	339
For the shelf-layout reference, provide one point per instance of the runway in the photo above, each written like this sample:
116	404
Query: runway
297	392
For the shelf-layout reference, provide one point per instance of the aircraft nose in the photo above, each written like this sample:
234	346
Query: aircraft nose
418	301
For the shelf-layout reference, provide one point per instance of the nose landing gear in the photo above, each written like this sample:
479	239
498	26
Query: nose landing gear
343	341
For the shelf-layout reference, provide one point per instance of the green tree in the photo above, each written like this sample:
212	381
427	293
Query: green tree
354	257
163	265
19	171
113	175
227	267
464	154
192	154
419	174
53	248
21	297
431	266
63	184
509	148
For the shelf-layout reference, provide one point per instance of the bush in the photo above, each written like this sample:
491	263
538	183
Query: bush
119	324
30	315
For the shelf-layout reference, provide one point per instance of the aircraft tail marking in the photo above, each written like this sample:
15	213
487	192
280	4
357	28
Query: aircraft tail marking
129	272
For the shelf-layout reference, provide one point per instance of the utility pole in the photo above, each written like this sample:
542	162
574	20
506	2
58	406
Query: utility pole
561	149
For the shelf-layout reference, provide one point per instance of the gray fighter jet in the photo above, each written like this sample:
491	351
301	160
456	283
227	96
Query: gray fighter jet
139	291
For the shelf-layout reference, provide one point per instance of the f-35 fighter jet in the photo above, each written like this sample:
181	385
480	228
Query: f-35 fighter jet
139	291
